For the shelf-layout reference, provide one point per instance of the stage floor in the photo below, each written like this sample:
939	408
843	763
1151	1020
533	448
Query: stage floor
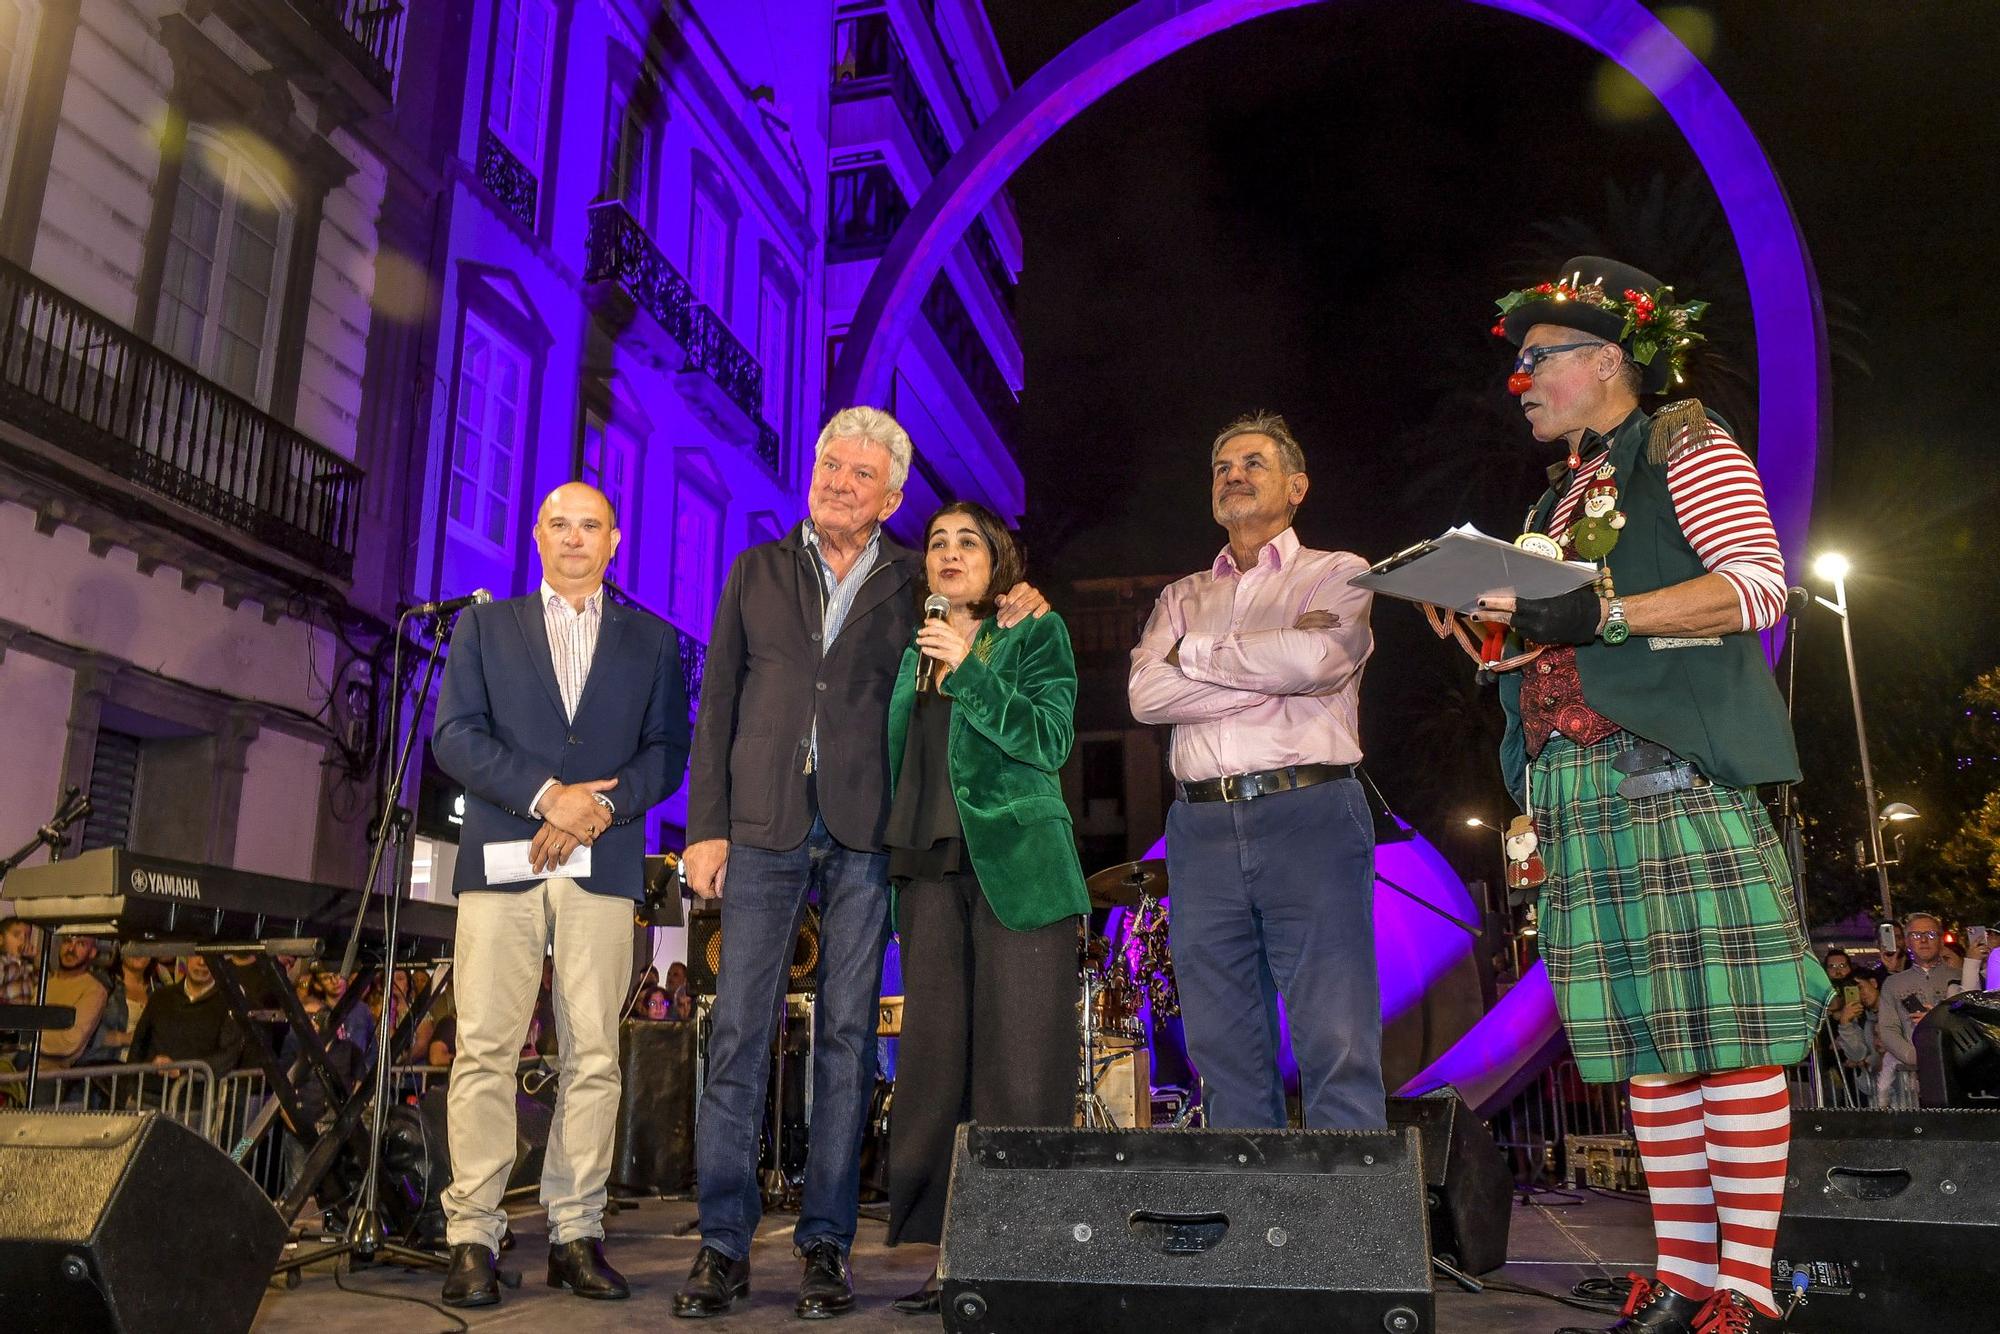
1553	1245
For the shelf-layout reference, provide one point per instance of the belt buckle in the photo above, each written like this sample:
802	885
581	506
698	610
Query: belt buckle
1231	788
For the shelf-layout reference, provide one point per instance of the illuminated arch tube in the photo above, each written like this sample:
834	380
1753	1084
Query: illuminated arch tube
1784	304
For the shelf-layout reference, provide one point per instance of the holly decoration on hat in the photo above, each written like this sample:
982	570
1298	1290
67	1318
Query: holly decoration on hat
1655	324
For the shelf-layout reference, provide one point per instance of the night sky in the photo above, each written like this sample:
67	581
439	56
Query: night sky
1313	213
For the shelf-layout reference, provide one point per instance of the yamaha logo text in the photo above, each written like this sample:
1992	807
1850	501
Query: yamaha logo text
166	886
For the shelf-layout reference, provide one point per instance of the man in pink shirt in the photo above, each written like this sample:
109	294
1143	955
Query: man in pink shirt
1256	661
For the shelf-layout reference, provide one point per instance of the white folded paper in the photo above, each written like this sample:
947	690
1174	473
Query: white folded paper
507	863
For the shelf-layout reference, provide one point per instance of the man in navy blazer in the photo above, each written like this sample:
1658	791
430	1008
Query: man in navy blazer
564	715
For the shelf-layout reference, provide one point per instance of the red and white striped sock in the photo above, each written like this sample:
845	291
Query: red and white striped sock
1667	1122
1748	1120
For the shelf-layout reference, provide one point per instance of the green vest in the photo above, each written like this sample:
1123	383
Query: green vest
1713	702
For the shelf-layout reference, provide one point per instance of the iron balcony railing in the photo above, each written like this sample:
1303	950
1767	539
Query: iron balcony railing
967	349
619	251
508	178
370	31
870	60
81	382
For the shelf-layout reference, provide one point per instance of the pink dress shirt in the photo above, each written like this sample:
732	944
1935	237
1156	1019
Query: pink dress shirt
1251	692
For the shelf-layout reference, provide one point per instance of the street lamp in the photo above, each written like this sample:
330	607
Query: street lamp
1833	567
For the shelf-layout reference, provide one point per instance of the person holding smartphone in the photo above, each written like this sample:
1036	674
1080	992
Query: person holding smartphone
1907	997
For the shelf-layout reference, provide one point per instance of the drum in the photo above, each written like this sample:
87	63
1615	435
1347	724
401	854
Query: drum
1115	1006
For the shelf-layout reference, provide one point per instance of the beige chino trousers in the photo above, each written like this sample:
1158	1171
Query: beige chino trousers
497	974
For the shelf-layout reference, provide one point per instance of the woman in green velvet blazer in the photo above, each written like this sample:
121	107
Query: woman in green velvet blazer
989	894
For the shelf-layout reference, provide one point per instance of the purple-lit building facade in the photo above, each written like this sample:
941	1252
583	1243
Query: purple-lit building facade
316	299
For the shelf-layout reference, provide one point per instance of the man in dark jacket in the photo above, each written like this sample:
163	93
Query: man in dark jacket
564	715
807	640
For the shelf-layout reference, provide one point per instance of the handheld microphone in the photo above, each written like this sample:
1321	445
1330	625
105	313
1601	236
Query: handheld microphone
446	606
936	608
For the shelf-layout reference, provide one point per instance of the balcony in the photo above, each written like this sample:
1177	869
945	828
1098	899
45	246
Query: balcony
871	63
90	388
722	382
967	350
508	178
345	51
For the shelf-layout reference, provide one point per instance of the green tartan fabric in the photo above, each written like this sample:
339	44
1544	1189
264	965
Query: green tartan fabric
1667	924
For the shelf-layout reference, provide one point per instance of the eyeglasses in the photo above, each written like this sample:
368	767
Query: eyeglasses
1920	935
1531	358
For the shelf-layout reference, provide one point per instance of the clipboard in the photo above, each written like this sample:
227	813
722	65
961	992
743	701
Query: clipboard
1458	567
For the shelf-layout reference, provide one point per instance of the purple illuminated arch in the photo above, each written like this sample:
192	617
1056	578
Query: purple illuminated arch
1784	294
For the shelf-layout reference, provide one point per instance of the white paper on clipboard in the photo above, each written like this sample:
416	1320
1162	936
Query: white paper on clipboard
1464	564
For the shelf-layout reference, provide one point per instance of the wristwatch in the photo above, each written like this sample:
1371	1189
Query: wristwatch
1615	629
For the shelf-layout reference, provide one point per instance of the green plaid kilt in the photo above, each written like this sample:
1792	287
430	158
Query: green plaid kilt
1667	924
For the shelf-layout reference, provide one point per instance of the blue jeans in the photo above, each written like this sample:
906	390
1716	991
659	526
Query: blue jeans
763	895
1271	896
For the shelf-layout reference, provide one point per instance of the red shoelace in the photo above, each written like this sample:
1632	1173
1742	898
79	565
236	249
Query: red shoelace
1642	1291
1724	1313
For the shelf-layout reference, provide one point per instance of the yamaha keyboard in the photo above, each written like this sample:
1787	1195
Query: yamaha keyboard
135	897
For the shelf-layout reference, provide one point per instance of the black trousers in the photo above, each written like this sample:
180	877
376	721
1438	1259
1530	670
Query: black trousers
989	1035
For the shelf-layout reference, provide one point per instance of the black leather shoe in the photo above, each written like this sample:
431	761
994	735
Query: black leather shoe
924	1301
581	1267
1653	1308
473	1277
714	1283
827	1289
1730	1312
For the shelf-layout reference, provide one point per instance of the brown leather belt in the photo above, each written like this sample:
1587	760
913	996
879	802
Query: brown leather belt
1263	783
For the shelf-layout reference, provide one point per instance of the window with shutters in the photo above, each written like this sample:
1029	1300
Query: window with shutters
609	462
710	236
488	435
518	95
114	790
697	559
17	48
224	268
777	331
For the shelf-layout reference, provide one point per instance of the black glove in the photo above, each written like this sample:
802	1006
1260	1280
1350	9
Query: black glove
1570	618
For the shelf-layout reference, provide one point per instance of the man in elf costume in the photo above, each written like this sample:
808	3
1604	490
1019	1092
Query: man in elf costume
1637	737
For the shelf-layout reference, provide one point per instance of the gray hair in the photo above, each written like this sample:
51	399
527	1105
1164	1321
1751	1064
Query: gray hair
878	428
1270	424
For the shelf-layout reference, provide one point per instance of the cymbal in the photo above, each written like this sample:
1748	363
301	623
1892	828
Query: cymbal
1122	886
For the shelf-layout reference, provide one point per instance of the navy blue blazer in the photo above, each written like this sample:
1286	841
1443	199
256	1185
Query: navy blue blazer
501	732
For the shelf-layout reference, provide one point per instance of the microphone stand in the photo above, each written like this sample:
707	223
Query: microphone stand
364	1237
54	836
1789	824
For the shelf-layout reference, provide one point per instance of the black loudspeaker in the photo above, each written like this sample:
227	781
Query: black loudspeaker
1467	1185
127	1222
654	1149
704	959
1185	1230
1894	1219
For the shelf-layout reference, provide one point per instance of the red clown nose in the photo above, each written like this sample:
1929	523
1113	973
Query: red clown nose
1520	382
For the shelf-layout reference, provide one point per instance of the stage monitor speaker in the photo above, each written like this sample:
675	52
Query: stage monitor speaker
1185	1231
1467	1185
654	1148
1894	1218
704	961
127	1222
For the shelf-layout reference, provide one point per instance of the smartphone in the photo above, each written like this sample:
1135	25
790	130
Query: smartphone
1913	1004
1885	937
1850	993
1975	936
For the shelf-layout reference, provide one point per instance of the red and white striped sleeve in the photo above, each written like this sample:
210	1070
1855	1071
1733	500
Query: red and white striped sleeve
1719	501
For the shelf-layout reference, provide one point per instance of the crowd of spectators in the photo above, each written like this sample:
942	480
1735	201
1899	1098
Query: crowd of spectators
1880	999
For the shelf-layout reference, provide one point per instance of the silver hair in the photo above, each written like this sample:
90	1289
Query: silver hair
877	427
1268	424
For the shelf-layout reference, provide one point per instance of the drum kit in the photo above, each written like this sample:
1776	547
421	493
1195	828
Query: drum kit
1116	975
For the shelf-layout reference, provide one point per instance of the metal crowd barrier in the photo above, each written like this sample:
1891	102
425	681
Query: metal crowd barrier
184	1090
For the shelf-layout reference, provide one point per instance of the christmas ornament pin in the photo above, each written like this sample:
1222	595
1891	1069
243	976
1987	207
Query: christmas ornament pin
1524	864
1539	544
1594	534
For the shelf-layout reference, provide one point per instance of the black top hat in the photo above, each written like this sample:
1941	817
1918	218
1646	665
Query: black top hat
1589	295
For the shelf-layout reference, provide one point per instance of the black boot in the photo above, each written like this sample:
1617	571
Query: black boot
581	1267
1653	1308
924	1301
714	1283
473	1277
1730	1312
827	1289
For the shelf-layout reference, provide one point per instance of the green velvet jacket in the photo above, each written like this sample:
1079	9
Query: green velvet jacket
1013	722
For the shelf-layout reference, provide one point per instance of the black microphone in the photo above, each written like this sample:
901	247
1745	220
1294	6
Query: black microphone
446	606
1796	599
936	608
